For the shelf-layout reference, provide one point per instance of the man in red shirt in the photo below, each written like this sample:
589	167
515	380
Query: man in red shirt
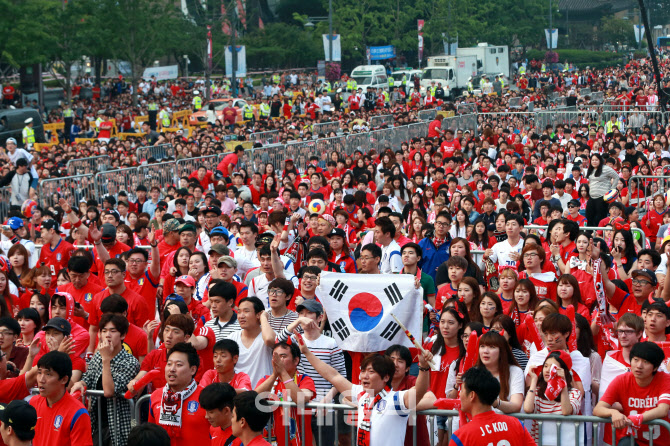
229	162
573	213
230	115
142	280
176	407
449	145
217	400
480	390
138	310
81	288
62	420
287	385
249	419
435	127
56	252
643	395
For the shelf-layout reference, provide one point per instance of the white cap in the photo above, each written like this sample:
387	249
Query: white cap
196	92
28	121
12	140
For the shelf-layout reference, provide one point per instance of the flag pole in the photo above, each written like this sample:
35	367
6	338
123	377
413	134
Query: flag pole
413	340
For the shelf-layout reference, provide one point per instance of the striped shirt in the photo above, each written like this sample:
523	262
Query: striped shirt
599	186
543	405
325	348
279	323
223	329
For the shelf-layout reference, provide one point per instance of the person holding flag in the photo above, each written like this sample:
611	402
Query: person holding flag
382	412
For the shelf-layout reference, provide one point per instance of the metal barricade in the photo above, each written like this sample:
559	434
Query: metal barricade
598	96
381	120
648	186
585	92
269	137
88	166
520	120
160	175
514	102
466	109
326	128
5	195
73	188
418	130
159	152
381	140
400	135
427	115
635	119
112	182
468	123
300	152
553	118
358	142
186	166
257	158
326	146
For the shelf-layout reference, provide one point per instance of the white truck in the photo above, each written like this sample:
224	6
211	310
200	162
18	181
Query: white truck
492	60
453	72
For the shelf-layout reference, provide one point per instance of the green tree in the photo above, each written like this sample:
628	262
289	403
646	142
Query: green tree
616	31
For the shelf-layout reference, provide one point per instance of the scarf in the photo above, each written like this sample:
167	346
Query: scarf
438	242
364	425
603	308
555	384
172	404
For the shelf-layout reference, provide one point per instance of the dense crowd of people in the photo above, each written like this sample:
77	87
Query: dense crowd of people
220	309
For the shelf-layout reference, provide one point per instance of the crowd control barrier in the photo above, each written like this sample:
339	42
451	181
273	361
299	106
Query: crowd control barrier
647	187
88	166
159	152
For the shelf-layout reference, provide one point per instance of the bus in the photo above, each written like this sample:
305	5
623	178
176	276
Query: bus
662	42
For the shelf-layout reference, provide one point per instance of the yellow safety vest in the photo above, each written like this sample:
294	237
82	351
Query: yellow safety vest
248	112
610	126
152	107
265	110
197	102
470	87
522	70
28	135
68	113
391	82
544	68
327	87
502	83
276	79
404	79
164	116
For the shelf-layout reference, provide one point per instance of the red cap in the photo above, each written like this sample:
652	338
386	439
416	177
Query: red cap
186	280
565	357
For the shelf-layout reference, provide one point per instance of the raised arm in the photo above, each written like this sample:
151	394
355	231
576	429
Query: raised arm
341	383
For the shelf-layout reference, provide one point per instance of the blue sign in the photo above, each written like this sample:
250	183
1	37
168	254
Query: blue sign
382	52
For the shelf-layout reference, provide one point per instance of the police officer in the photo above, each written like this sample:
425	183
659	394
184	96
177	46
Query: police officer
152	109
248	113
164	116
28	134
197	101
276	79
391	83
404	82
264	109
68	119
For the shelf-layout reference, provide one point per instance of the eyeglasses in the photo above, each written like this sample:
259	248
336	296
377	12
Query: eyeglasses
442	223
640	282
310	278
275	292
366	258
136	261
528	255
626	332
111	272
6	333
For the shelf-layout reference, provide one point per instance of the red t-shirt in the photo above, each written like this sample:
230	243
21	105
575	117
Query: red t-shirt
114	253
165	249
145	286
492	428
230	159
56	259
8	92
138	311
438	380
220	437
625	303
84	296
194	428
65	423
278	423
637	400
433	128
240	379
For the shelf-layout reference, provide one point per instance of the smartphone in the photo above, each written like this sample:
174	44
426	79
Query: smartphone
77	305
154	223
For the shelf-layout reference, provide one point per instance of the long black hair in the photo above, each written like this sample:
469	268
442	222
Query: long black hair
439	346
599	169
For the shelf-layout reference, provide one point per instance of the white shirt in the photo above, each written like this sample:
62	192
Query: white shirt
259	288
246	260
255	361
326	102
502	250
388	421
391	260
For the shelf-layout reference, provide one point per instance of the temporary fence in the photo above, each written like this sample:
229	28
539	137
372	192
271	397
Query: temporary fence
326	128
427	115
159	175
72	188
5	196
112	182
269	137
88	166
646	188
158	152
466	109
381	120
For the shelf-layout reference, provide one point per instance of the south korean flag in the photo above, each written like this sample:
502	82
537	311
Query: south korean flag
359	308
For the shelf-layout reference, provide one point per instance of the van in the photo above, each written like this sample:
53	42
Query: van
370	76
12	123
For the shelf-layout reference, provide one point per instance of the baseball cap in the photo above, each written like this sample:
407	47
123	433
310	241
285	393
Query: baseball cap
51	224
186	280
209	209
108	233
12	140
21	416
59	324
219	249
15	223
170	226
565	357
228	260
338	232
573	203
187	227
646	273
311	305
265	238
221	231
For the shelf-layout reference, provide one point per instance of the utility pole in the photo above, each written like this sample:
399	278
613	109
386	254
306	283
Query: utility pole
330	31
233	54
662	95
551	26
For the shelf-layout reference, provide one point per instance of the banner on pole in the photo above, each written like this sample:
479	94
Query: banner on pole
241	61
381	52
639	32
337	47
552	38
420	26
359	308
161	73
